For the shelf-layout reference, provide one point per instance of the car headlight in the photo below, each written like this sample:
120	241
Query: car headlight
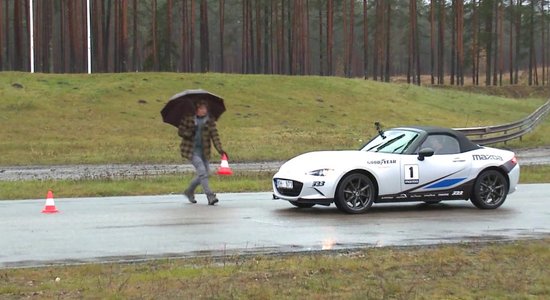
320	172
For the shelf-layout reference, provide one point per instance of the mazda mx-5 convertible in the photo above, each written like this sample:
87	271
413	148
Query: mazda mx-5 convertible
428	164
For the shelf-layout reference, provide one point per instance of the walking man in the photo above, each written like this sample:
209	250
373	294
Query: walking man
197	132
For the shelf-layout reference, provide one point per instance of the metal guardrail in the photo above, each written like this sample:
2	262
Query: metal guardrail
505	132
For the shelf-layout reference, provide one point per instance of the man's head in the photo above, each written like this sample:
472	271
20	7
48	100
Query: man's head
201	108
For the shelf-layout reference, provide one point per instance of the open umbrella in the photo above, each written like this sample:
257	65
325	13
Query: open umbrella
183	104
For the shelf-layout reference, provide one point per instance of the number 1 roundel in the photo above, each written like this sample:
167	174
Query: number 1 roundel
411	174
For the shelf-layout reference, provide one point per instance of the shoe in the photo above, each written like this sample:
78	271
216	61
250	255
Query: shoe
212	199
190	196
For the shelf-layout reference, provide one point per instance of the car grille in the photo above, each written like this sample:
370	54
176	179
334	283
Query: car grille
295	191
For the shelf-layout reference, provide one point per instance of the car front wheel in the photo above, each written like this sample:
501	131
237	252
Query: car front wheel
355	193
490	190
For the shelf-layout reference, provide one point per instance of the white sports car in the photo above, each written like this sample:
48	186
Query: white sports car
427	164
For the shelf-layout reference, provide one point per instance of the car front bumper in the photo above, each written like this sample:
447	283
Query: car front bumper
306	189
513	175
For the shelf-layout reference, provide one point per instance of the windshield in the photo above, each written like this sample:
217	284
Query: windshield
395	141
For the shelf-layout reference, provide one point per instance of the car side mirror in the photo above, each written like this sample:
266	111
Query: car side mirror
425	152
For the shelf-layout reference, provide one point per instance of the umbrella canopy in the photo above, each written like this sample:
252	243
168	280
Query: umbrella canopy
183	104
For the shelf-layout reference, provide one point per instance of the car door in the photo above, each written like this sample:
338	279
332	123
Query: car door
436	175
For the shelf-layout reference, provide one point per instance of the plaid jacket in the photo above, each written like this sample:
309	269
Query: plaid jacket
186	130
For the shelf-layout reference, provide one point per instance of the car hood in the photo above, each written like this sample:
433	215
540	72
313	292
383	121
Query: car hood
325	159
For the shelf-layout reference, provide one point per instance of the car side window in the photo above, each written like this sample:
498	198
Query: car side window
441	144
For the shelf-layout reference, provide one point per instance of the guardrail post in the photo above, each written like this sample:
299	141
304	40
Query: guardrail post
505	132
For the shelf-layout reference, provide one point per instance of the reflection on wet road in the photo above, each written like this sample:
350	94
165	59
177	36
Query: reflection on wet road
147	227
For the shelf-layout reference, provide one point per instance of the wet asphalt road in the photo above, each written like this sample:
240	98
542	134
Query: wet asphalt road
148	227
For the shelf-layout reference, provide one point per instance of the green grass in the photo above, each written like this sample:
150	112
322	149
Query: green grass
157	185
114	118
513	270
173	184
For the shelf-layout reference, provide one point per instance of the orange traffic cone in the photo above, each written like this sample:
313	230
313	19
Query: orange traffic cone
49	208
224	166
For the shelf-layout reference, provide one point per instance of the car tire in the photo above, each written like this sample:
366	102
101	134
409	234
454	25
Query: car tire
301	205
355	193
490	190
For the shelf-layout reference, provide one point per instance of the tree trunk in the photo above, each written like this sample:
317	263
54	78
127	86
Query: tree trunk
377	35
417	45
205	40
441	48
501	42
106	34
8	60
47	40
184	37
351	37
168	41
321	59
72	37
518	36
268	37
345	37
307	56
511	42
496	41
1	37
124	36
460	37
388	40
489	42
192	17
330	36
432	40
222	34
244	40
135	67
543	41
365	40
475	31
258	38
453	41
411	41
154	37
18	36
531	42
279	33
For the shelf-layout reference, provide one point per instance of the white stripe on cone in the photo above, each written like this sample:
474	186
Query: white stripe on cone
49	208
224	168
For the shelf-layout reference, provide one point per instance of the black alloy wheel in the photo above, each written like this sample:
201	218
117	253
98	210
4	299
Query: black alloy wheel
490	190
355	193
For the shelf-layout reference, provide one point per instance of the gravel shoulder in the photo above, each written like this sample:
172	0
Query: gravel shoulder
526	157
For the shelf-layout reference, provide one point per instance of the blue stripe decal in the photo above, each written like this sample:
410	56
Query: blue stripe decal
445	183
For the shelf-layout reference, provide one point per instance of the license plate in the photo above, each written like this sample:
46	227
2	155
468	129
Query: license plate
284	184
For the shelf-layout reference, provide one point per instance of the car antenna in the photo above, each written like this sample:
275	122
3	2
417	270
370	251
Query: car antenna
379	129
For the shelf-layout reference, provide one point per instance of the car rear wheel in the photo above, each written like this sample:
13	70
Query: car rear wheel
355	193
301	205
490	190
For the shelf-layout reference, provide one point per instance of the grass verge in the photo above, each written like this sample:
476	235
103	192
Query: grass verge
506	270
115	118
173	184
